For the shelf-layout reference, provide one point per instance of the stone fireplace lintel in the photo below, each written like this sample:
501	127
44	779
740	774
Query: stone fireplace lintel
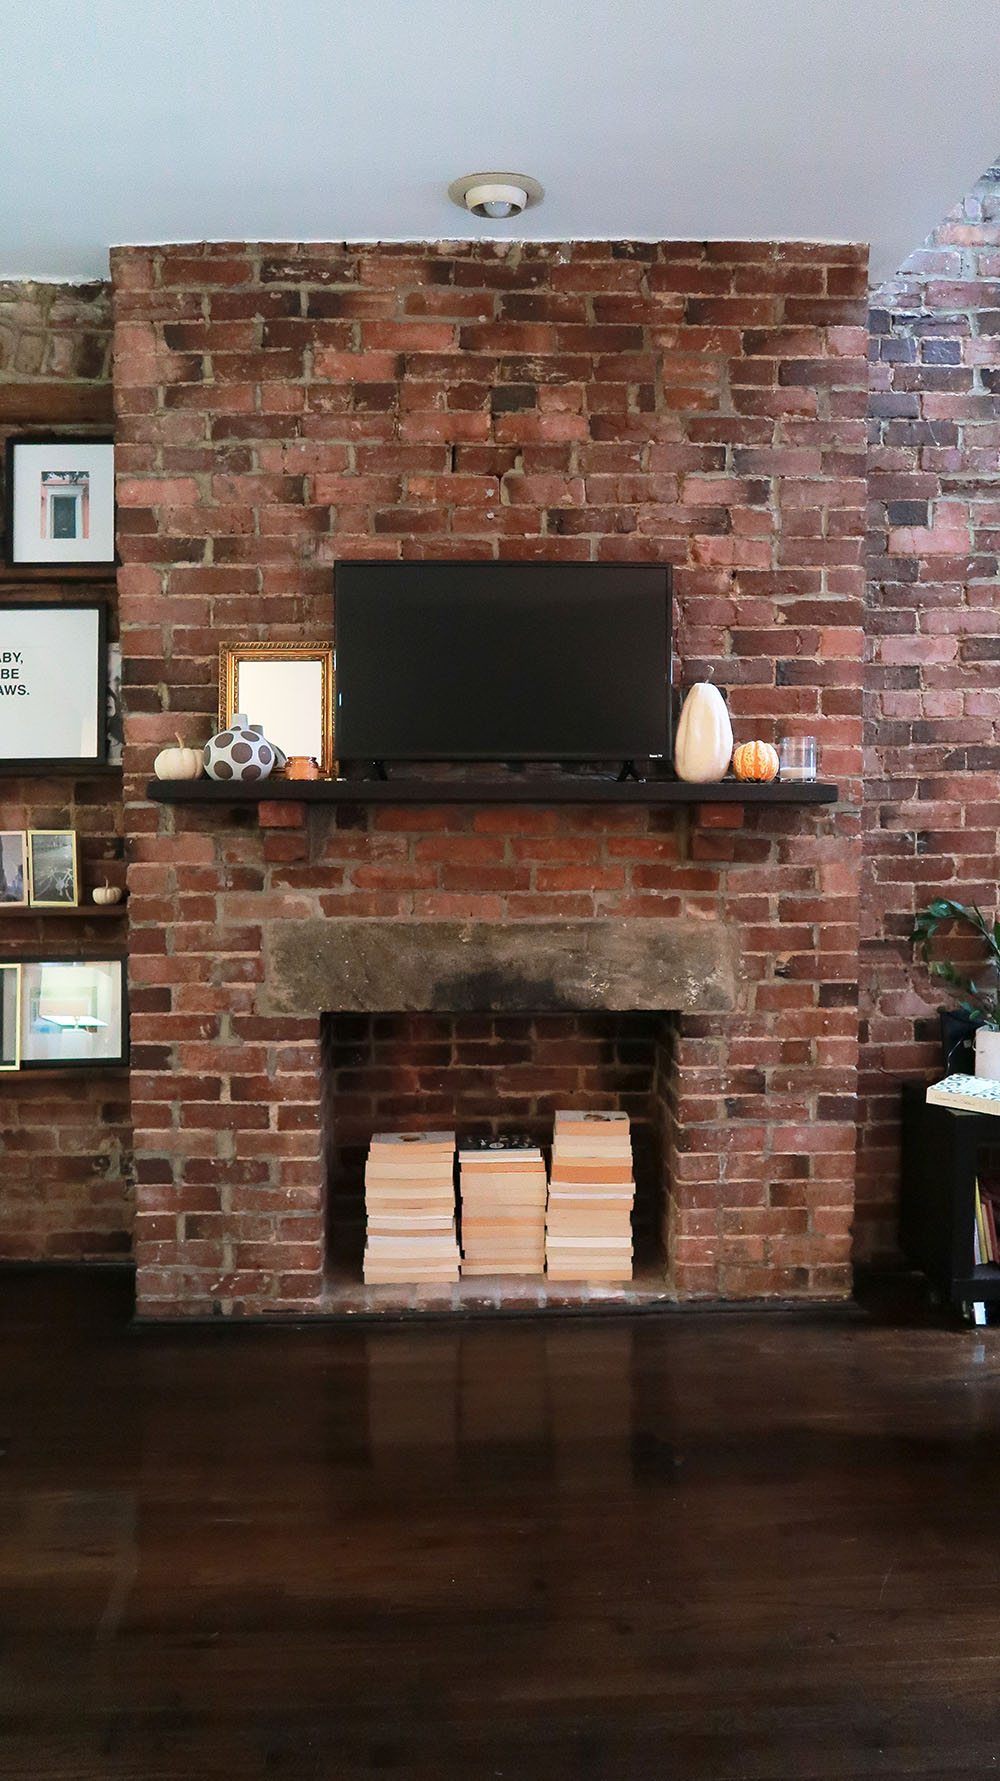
316	966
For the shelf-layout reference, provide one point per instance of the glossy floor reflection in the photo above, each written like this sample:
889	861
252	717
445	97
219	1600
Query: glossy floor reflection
709	1546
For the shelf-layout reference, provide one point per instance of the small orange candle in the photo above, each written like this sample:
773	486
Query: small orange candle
302	766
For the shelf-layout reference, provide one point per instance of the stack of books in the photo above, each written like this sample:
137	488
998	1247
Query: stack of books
589	1226
987	1234
503	1188
410	1208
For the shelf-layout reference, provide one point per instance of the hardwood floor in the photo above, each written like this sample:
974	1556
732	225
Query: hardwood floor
688	1547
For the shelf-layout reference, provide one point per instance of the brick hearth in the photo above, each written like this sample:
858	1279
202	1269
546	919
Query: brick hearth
279	409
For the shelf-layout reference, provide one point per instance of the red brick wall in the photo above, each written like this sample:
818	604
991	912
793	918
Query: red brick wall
932	693
697	404
65	1187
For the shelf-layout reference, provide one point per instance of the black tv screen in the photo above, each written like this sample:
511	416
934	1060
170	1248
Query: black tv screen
502	661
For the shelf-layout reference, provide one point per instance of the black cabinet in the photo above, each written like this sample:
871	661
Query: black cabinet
937	1209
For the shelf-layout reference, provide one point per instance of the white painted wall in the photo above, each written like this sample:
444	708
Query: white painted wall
176	120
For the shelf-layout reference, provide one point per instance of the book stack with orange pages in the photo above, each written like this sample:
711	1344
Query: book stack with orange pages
503	1208
410	1208
588	1232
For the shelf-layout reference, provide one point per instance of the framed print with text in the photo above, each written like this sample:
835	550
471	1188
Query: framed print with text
53	686
60	501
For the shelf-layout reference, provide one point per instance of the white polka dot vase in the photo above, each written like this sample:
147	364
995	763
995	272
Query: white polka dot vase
241	752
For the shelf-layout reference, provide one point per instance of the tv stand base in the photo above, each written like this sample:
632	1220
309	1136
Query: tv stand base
628	771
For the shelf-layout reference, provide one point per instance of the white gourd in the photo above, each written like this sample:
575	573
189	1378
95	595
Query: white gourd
178	763
704	745
104	894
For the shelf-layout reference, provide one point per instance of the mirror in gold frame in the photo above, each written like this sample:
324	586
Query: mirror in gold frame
287	688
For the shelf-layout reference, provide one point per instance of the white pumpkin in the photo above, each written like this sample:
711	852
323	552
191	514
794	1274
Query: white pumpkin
104	894
178	763
703	747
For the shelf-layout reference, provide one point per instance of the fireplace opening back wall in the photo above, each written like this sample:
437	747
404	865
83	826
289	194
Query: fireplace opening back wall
489	1075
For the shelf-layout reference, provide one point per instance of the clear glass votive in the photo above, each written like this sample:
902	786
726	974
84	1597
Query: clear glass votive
797	757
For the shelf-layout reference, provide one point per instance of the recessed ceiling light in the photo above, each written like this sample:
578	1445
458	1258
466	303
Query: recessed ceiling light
495	195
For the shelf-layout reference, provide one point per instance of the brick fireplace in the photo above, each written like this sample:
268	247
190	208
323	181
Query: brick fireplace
487	1029
280	409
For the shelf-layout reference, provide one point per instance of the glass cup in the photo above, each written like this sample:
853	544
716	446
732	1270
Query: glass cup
797	757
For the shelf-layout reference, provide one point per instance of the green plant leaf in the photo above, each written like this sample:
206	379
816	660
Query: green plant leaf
982	1002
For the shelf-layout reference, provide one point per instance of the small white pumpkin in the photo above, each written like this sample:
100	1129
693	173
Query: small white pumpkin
178	763
703	747
106	893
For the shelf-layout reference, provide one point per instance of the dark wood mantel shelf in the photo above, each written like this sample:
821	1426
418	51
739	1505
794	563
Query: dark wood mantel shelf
567	789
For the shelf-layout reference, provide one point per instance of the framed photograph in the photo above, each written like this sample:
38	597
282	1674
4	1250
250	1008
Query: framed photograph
287	688
53	870
115	741
53	686
10	1017
13	868
60	501
73	1012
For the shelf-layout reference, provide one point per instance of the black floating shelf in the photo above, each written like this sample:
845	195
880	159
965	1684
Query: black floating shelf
568	789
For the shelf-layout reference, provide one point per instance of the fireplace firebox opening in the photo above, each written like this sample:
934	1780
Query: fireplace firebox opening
490	1075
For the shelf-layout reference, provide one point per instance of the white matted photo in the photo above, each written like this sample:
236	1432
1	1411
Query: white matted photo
13	867
53	685
53	873
10	1017
73	1012
60	501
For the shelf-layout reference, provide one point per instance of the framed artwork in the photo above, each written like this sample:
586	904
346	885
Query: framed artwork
53	686
13	868
115	741
60	501
53	869
287	688
10	1017
73	1012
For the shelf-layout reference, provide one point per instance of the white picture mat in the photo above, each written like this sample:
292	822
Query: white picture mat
286	699
56	991
27	544
58	661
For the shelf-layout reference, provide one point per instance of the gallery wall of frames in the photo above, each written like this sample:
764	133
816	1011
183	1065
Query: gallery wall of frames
60	695
67	1171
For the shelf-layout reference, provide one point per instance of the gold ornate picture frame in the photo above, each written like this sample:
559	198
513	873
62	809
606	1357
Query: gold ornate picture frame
53	869
288	689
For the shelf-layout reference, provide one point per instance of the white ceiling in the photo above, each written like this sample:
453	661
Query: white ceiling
183	120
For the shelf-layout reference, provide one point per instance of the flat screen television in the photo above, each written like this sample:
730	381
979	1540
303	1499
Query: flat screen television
502	661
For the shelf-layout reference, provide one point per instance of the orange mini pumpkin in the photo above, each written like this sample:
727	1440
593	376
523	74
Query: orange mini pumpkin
755	760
